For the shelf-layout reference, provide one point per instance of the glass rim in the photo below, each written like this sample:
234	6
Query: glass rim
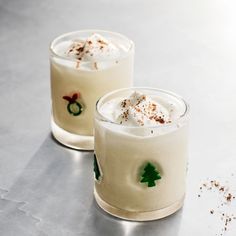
61	36
177	120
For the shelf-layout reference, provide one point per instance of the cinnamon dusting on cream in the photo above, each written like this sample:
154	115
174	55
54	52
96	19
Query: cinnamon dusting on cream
142	110
93	49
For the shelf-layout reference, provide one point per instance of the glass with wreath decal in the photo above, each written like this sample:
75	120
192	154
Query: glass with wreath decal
141	149
84	66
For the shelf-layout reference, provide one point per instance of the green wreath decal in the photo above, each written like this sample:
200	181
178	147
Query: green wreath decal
73	107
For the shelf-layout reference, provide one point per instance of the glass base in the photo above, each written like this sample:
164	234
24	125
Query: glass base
75	141
139	216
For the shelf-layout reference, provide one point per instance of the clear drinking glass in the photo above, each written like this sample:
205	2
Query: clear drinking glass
127	156
75	90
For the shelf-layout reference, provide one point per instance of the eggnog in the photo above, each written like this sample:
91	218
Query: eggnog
140	161
84	66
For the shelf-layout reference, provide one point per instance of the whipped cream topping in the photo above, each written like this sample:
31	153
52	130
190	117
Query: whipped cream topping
92	52
93	49
137	110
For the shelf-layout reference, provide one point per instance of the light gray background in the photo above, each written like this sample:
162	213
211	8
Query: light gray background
185	46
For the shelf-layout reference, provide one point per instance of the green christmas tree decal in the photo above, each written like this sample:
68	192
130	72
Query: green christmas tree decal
150	175
73	107
96	168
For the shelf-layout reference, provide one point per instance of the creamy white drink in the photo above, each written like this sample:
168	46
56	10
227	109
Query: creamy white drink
84	66
141	137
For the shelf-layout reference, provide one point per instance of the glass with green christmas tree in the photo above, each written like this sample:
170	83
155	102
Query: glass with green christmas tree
141	149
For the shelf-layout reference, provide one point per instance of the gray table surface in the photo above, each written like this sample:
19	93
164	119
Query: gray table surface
184	46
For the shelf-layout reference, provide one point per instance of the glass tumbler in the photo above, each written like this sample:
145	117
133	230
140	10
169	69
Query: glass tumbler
75	90
140	171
